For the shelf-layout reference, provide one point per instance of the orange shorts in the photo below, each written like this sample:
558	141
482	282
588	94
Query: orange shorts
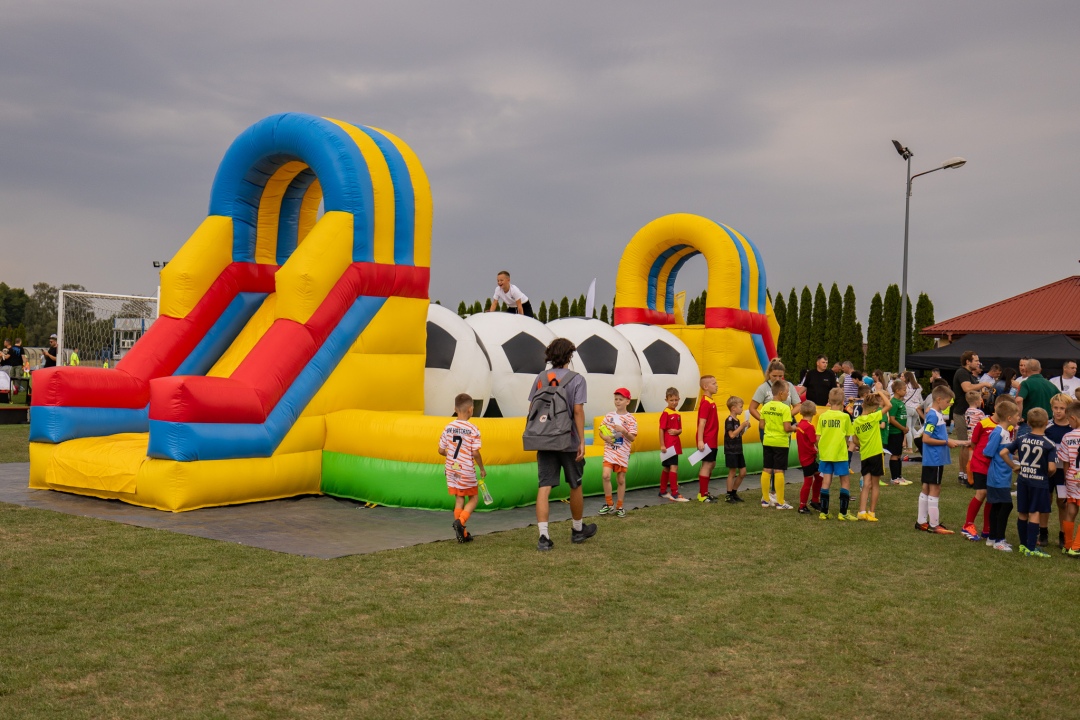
1074	501
463	492
615	468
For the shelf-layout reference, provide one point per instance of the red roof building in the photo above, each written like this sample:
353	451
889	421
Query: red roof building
1051	309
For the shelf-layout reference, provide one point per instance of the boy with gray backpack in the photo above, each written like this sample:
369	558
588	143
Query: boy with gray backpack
555	429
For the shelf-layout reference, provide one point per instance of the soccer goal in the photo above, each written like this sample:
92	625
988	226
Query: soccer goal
98	329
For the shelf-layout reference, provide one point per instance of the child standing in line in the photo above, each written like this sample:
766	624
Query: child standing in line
1056	431
980	466
895	431
806	441
834	433
624	430
1036	455
460	445
972	416
670	430
775	444
999	477
936	444
867	429
708	432
1069	457
734	427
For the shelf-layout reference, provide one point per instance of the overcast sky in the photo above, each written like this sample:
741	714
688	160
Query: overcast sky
552	131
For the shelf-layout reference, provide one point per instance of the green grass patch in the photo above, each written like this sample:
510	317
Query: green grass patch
14	443
675	611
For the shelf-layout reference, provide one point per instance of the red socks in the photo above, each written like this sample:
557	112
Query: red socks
816	496
804	493
703	484
973	510
663	480
674	480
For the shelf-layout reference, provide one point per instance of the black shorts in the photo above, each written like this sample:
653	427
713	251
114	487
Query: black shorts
670	462
526	309
978	480
1032	498
774	458
810	470
1056	479
931	474
549	463
999	496
874	466
734	461
896	444
711	457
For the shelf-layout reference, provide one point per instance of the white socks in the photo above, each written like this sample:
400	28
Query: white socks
923	506
935	517
543	529
577	525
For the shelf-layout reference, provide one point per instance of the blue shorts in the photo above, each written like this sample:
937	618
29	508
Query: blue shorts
1032	498
831	467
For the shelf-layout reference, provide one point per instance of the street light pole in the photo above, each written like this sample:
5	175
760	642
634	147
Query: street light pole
948	165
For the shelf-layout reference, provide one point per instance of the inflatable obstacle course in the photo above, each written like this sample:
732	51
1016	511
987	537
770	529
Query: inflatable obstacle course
293	349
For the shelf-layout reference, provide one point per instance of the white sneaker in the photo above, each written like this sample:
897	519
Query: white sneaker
766	504
989	542
785	506
772	498
668	496
1003	546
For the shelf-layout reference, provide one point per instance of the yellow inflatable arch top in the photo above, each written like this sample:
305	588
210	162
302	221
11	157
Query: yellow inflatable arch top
739	336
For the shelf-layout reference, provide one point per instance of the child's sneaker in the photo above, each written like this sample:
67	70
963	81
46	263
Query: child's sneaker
677	497
607	509
620	513
862	516
815	506
922	527
941	530
706	498
841	517
1039	553
903	481
850	517
989	542
823	516
1071	553
772	498
767	503
667	496
882	483
803	510
731	499
737	498
544	543
459	531
871	517
1003	546
969	532
785	506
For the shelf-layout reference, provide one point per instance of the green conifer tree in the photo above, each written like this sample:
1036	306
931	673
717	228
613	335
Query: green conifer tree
924	318
875	333
832	323
850	333
461	309
860	356
889	356
564	307
790	341
541	314
603	313
780	311
801	357
820	320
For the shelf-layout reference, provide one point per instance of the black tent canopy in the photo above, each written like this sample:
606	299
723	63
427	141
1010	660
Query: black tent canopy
1005	349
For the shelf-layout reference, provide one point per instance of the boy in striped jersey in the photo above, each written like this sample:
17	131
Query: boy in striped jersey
624	431
460	445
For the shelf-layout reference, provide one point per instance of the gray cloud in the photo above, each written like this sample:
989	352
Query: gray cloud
556	132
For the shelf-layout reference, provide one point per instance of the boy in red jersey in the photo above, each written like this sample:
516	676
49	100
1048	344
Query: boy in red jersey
460	445
980	466
670	430
708	433
806	440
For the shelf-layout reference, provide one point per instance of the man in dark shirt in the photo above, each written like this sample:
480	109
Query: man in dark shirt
819	381
50	353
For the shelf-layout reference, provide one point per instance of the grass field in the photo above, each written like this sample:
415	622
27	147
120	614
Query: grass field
675	611
14	443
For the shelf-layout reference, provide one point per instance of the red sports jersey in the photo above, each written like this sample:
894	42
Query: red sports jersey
980	435
806	439
670	420
460	439
707	412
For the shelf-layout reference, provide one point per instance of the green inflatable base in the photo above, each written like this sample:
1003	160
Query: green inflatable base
423	486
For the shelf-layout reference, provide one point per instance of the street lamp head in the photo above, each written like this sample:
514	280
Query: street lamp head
954	163
904	152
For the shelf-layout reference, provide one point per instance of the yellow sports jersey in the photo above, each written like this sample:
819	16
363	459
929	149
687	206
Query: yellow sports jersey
833	430
775	414
868	429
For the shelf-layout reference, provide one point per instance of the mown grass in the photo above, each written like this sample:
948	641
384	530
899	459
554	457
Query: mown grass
14	443
675	611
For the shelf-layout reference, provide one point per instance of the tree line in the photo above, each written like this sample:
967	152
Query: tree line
32	316
547	311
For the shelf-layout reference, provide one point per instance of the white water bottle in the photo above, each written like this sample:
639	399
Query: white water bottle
484	491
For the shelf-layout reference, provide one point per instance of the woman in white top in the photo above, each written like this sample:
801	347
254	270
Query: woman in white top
515	300
912	400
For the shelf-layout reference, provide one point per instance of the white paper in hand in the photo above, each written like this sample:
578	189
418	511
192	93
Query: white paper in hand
699	455
669	453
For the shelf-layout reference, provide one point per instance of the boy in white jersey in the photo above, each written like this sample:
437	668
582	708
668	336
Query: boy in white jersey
460	445
623	431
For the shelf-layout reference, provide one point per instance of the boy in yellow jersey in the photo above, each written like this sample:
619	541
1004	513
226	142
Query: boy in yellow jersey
834	433
775	444
867	429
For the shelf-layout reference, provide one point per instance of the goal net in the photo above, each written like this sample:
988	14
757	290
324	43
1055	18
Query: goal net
99	329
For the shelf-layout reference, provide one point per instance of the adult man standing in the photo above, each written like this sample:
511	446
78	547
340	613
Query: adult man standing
571	463
819	382
964	382
851	385
1035	392
1067	382
50	353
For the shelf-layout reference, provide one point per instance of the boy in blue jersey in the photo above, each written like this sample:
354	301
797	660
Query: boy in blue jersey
1037	461
936	444
999	476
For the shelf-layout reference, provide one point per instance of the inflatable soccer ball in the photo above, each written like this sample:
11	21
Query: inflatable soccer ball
515	344
606	360
665	362
455	363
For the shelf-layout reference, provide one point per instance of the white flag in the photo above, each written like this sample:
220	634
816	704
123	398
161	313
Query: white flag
590	299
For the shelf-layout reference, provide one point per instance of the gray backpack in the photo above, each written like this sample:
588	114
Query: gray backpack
550	422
